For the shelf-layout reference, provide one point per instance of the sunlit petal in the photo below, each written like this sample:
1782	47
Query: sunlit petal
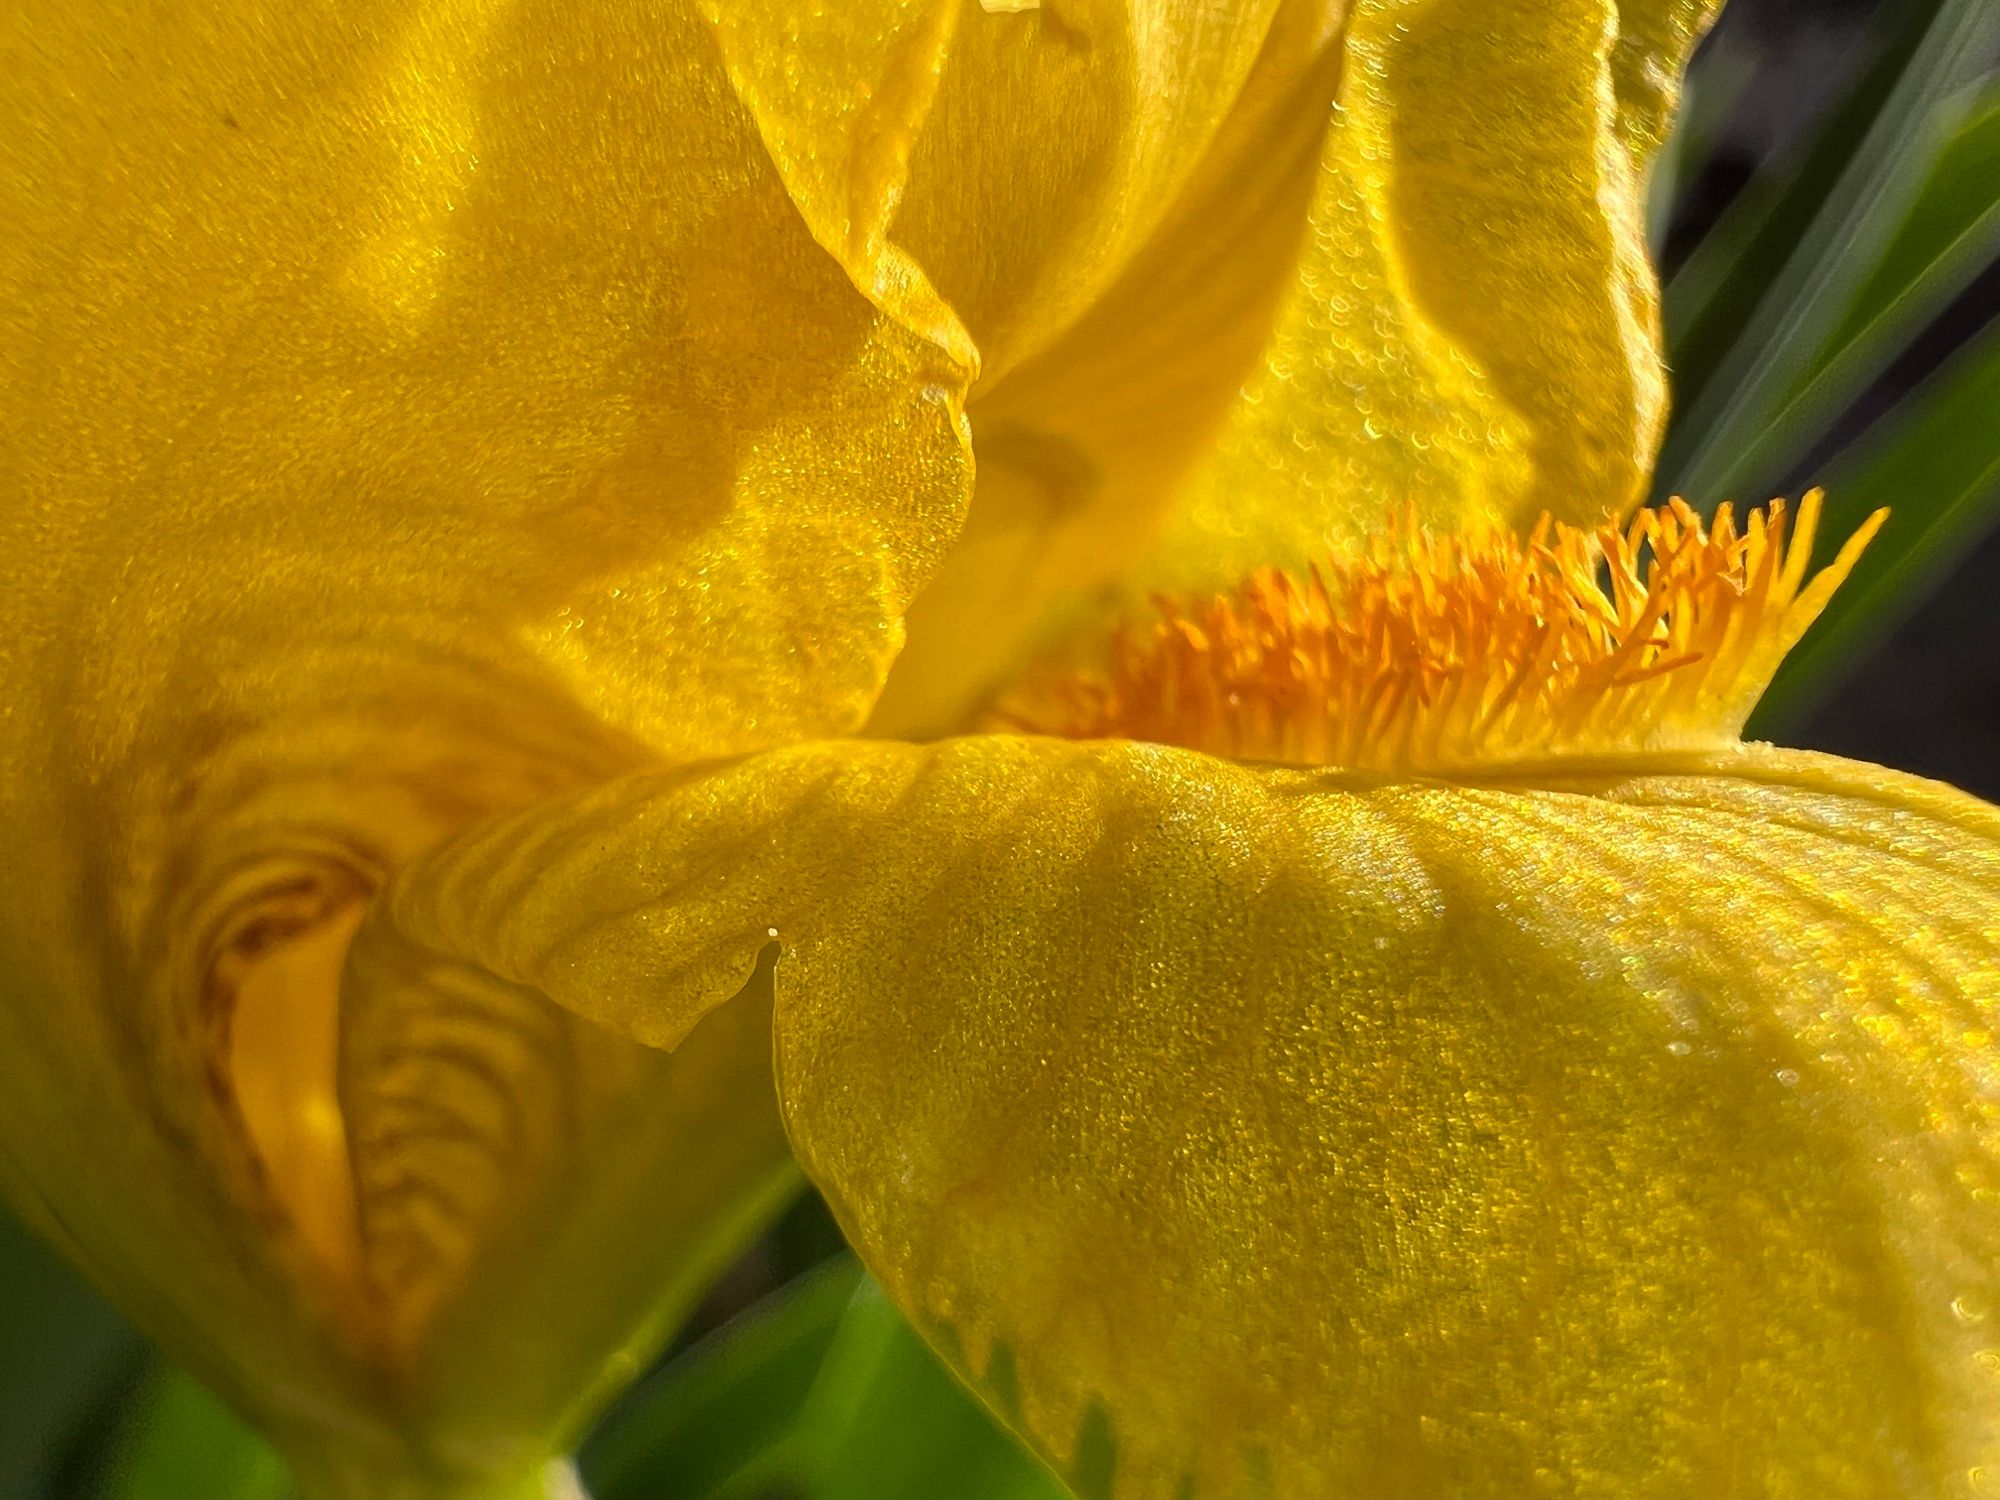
1242	1131
1473	328
1056	143
1410	272
405	415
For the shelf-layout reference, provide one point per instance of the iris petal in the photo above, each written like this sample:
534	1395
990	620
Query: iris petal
1248	1131
1473	327
1408	273
405	408
1057	141
1082	444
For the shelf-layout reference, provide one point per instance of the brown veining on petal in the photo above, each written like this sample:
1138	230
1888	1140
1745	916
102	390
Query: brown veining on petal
271	1009
369	1163
456	1090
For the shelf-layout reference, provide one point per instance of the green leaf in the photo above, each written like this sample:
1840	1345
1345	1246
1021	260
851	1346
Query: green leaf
65	1358
724	1413
1713	91
1935	460
1730	272
181	1443
1951	234
1725	439
887	1421
821	1392
1953	228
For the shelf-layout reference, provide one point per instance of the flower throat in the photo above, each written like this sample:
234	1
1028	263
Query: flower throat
1445	652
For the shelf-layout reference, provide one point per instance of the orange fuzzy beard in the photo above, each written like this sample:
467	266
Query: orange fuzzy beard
1445	652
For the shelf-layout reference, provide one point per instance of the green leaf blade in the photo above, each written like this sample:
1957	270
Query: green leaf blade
1742	420
1935	462
181	1443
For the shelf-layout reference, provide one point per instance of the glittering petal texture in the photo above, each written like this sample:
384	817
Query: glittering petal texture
405	415
1082	444
1621	1126
1409	270
1473	325
1095	201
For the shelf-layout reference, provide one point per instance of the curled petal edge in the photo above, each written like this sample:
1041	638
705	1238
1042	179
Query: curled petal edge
1237	1130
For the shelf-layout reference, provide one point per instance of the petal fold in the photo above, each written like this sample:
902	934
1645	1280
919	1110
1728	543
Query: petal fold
405	410
1057	140
1082	444
1245	1131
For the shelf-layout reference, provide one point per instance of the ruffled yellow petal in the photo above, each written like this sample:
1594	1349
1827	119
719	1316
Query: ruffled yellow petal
1082	444
1473	326
838	101
1056	143
495	323
411	410
1469	329
1012	159
1281	1132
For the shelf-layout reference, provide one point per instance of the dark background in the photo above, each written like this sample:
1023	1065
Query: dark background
1927	699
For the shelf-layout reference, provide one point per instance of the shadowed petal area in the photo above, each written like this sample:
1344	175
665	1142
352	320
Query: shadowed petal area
1249	1131
409	410
1409	272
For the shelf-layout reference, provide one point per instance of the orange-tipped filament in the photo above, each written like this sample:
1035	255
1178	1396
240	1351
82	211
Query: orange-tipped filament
1446	652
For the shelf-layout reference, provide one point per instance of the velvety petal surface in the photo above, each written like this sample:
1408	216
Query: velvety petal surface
1409	272
1624	1127
410	411
1473	327
1082	444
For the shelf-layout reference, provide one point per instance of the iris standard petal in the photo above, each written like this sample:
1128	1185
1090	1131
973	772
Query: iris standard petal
1409	272
1082	445
838	100
1253	1131
1055	144
1011	159
405	413
1473	326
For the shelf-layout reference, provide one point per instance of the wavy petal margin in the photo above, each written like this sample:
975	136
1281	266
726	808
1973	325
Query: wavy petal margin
1246	1131
408	408
1473	328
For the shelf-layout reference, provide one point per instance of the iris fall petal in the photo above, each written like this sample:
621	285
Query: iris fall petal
1246	1130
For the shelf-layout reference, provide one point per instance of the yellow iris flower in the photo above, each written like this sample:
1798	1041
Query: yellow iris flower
492	563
